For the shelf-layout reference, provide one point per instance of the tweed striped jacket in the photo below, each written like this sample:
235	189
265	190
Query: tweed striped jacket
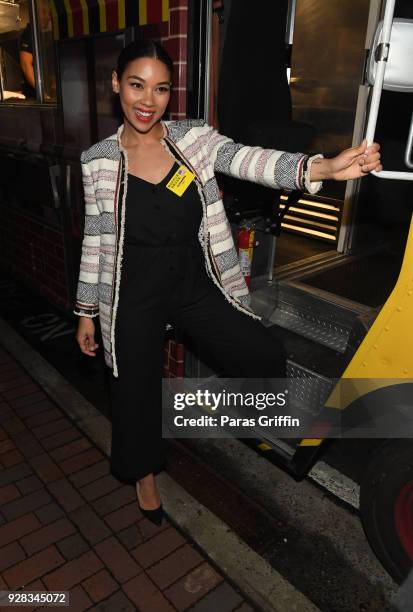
205	151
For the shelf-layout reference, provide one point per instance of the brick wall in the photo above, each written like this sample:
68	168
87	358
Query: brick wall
173	359
33	253
173	36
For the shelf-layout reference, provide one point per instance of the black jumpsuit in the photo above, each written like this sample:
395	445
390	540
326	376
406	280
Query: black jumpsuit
164	280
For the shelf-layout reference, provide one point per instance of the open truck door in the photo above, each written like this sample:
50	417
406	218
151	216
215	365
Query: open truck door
381	370
333	337
386	502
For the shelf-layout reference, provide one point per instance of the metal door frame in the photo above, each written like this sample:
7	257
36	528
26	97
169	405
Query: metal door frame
347	233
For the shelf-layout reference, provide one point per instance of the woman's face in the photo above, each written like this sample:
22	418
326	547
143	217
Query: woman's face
144	92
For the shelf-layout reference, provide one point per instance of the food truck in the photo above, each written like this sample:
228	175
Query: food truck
331	272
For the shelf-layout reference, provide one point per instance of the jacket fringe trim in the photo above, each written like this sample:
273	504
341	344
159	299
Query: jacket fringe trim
119	258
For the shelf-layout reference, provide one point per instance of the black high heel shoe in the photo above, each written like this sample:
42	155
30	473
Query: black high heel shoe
155	515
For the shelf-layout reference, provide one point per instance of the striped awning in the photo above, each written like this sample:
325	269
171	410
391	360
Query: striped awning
73	18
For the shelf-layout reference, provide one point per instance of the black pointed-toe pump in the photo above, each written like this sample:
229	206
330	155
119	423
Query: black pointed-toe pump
155	515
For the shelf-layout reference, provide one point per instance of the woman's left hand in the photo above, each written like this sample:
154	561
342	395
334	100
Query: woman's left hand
351	163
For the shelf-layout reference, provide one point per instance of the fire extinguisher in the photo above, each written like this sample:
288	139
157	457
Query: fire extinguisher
246	243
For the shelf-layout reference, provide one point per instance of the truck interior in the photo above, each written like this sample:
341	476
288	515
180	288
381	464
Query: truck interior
310	95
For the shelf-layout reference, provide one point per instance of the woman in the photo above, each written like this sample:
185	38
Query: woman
171	258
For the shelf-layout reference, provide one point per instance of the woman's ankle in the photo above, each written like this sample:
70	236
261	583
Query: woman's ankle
146	481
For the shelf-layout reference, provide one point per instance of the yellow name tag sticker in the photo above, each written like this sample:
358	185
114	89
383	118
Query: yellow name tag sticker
180	181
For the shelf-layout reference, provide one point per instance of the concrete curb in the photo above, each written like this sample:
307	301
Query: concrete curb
265	587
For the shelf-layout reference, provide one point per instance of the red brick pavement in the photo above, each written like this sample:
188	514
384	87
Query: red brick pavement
67	524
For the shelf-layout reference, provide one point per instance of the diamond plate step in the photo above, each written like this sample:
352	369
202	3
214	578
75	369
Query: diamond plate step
310	390
309	313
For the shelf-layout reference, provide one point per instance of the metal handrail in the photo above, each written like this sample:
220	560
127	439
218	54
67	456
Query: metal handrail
408	159
381	59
